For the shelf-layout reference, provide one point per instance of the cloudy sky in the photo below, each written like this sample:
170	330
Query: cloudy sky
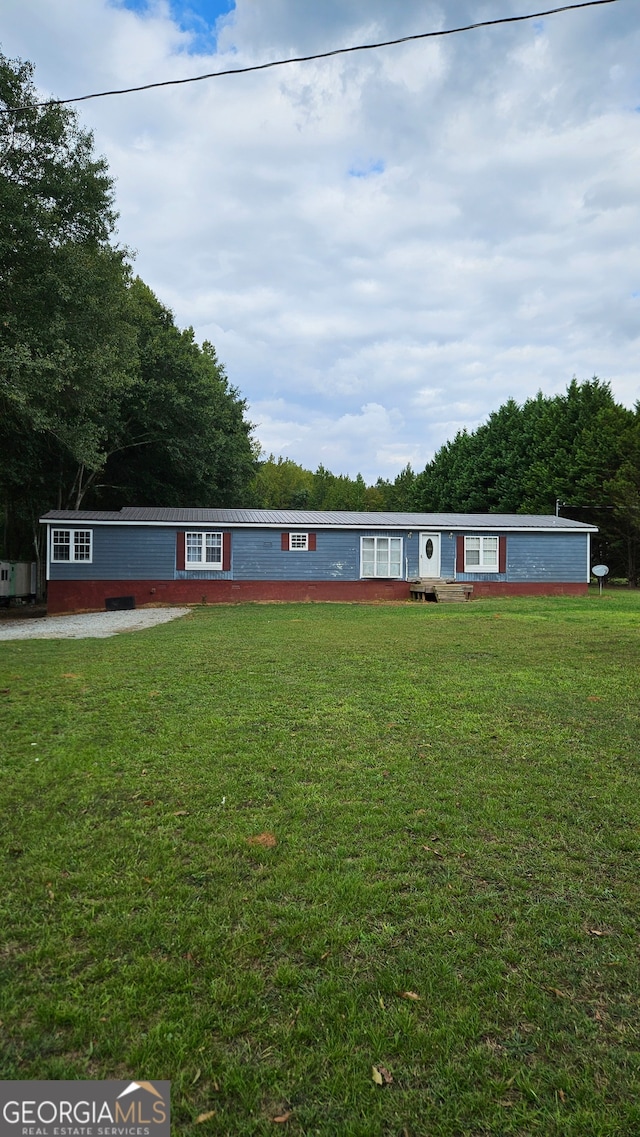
382	246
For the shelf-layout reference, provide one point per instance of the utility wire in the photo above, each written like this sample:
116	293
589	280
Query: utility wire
323	54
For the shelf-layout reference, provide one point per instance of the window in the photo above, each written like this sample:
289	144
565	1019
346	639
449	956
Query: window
481	554
299	541
381	556
72	545
203	550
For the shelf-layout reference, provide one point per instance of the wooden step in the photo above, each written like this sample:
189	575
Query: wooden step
453	593
444	591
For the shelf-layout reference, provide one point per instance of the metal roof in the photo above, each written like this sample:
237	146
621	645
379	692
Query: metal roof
316	519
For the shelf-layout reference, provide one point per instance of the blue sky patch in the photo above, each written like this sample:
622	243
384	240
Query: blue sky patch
366	170
196	16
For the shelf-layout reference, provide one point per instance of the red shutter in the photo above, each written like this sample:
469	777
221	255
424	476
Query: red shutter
284	542
312	542
180	541
226	552
460	554
502	554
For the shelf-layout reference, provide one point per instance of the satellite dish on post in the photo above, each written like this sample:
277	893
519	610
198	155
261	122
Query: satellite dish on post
600	571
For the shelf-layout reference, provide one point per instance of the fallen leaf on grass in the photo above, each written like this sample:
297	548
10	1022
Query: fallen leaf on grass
196	1076
265	840
205	1116
597	932
562	1095
70	675
435	852
181	813
282	1117
560	994
381	1076
410	995
594	698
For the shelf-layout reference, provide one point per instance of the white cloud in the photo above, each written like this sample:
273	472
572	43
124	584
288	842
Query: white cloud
384	246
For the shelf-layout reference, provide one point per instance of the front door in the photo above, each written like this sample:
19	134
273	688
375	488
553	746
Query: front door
429	556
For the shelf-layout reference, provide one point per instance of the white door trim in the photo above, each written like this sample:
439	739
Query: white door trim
429	568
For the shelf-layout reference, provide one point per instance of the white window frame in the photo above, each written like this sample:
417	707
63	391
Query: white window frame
202	537
376	544
76	537
483	550
298	542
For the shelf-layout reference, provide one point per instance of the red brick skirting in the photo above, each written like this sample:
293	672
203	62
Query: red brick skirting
486	589
90	595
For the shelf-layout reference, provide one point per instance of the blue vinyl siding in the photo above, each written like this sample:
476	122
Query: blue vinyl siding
129	552
123	552
547	556
540	557
257	555
447	556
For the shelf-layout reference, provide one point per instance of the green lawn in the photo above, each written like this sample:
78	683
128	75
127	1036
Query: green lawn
454	795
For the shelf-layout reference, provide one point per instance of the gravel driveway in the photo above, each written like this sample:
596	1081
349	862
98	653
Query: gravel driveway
89	625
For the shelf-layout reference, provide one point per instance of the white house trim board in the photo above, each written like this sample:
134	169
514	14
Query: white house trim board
588	557
206	526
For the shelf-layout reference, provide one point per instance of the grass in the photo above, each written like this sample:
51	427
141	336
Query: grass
454	795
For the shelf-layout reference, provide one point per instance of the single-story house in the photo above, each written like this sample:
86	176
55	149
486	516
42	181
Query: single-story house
194	556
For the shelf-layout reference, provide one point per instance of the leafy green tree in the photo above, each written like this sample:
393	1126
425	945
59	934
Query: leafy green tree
282	484
579	449
181	437
399	495
103	400
66	347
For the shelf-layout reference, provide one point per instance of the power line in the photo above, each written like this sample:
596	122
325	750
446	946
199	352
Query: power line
322	54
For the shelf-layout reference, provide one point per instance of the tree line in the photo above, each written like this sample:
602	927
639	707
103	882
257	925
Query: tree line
105	402
577	454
